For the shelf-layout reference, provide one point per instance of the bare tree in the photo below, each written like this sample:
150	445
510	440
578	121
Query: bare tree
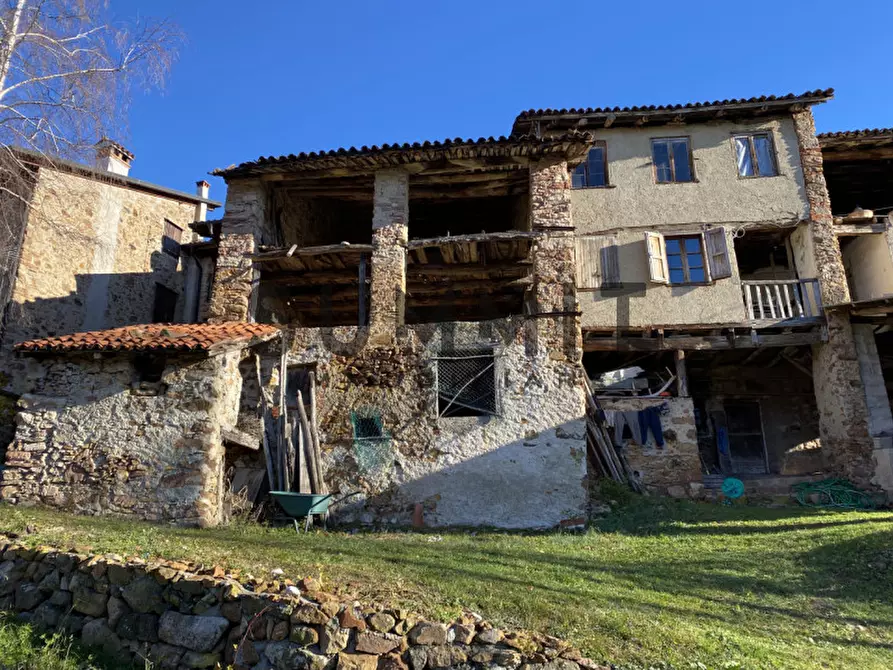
66	73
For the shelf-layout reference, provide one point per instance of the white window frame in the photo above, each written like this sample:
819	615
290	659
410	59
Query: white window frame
773	154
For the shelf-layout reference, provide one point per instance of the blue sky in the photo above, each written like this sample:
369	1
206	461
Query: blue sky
276	77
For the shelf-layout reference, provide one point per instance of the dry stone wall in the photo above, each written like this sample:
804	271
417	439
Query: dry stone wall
180	616
92	440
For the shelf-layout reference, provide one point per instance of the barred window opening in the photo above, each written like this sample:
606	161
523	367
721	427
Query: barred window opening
466	383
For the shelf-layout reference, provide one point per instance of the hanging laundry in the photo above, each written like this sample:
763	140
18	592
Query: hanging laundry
649	420
627	422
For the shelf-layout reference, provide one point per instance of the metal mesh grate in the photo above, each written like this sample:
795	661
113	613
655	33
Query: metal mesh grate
371	444
466	383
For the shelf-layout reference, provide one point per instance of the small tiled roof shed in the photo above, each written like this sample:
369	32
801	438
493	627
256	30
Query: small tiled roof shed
96	437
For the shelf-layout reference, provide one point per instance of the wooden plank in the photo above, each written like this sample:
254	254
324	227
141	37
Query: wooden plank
361	298
314	432
286	252
748	300
681	373
479	237
308	445
702	343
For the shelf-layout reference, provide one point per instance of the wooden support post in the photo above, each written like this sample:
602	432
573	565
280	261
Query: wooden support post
362	290
262	409
681	374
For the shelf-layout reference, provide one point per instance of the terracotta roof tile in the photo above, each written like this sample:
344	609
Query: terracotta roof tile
199	337
790	97
855	134
394	155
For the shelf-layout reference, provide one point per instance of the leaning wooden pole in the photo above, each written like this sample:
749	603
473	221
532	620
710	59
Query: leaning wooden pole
314	431
283	414
308	446
262	403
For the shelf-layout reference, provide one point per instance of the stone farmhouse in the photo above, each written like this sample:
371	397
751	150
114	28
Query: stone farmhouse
455	330
94	249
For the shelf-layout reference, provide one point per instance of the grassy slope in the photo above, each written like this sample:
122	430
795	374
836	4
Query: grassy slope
657	582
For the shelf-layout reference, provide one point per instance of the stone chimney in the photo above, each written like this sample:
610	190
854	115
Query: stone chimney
112	157
202	188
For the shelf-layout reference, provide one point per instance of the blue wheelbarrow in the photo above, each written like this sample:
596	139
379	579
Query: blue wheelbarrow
297	505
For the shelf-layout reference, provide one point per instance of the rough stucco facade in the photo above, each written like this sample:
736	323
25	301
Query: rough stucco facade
633	203
89	439
523	467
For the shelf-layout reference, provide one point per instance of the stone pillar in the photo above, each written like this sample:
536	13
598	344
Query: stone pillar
880	418
390	219
233	293
554	267
843	413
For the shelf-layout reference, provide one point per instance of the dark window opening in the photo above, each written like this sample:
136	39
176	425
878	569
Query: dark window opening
755	155
685	259
592	172
672	160
149	368
165	304
744	428
171	239
466	383
297	379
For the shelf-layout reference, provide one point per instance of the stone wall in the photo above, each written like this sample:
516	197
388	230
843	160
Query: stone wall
675	469
462	470
91	258
244	226
93	440
843	414
179	617
390	219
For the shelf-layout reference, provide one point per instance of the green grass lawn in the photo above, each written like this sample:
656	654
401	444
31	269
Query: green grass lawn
658	582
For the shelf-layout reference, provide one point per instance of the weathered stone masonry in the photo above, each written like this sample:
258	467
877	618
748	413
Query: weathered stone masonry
90	440
843	414
390	221
179	616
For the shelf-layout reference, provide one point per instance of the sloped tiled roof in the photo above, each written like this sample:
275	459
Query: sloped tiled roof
753	105
855	134
393	155
195	337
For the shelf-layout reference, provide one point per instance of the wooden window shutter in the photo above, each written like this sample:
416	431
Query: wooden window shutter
658	271
718	253
598	262
610	262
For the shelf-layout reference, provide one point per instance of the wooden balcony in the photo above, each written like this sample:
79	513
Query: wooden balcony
781	299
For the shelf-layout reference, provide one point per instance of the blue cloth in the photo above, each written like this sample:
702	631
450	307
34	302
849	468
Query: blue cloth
649	419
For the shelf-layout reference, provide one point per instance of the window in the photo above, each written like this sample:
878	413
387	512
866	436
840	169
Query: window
149	368
755	155
171	239
165	304
672	160
688	259
592	172
685	259
466	383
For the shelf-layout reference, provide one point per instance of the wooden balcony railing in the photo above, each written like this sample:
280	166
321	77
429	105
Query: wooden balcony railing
782	298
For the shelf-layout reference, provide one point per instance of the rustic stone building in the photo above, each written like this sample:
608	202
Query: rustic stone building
446	307
94	248
131	421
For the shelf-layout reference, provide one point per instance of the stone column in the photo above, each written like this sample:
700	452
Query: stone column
843	414
554	268
390	219
233	294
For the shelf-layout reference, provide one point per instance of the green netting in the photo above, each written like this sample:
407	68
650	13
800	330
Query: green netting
371	443
833	493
